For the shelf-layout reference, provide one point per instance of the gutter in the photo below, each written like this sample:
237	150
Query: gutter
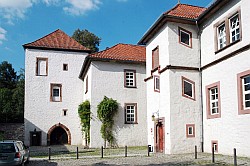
201	98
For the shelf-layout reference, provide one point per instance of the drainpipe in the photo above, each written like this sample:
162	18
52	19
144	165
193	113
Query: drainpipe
201	94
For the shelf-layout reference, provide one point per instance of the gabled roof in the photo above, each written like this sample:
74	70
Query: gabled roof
181	13
185	11
126	53
122	52
57	40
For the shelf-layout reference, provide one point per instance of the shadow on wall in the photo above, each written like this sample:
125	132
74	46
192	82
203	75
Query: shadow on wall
58	134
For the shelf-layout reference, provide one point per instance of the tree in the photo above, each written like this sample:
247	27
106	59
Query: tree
106	111
8	77
11	94
87	39
84	114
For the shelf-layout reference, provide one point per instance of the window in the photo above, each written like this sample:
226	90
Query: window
129	78
156	83
65	112
131	113
234	28
221	36
41	66
190	130
188	88
65	67
228	31
56	92
185	37
86	84
213	100
243	83
155	58
215	146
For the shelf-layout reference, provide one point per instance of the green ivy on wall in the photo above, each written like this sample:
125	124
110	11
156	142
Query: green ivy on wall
106	111
84	114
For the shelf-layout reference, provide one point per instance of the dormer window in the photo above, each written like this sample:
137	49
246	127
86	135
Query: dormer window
185	37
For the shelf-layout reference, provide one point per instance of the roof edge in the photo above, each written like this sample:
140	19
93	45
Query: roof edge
55	49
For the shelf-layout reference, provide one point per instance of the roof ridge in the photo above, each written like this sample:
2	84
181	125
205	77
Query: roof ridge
114	47
107	48
45	36
179	4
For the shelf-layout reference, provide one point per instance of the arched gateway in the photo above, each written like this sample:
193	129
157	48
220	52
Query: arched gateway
58	134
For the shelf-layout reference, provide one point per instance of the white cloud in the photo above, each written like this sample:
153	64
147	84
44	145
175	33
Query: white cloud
80	7
2	35
10	9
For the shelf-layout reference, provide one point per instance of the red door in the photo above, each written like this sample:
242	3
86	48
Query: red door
159	137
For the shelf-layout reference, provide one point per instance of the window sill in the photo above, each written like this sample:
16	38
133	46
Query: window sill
42	75
130	123
229	45
132	87
188	97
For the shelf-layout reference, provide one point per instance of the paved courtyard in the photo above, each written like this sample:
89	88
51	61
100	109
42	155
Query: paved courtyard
153	160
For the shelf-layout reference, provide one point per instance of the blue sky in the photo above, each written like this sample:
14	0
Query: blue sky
115	21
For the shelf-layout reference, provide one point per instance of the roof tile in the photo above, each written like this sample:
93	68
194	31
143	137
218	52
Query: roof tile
57	40
123	52
185	11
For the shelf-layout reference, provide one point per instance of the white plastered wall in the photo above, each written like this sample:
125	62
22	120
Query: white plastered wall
108	80
40	113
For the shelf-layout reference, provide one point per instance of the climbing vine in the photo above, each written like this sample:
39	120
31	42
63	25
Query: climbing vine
84	114
106	111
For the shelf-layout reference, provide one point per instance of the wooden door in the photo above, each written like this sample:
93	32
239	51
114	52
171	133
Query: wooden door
159	137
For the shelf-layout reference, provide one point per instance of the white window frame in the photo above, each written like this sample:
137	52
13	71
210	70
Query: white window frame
234	28
190	128
214	101
156	86
41	66
245	92
129	78
222	39
53	97
192	86
184	31
131	112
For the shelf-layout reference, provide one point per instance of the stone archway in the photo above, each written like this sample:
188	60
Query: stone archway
58	134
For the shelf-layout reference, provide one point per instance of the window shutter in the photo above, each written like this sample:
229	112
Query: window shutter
155	58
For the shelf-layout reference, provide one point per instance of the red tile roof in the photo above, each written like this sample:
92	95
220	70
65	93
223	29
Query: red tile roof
57	40
123	52
185	11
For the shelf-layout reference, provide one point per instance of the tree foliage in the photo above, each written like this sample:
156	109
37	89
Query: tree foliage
11	94
8	77
87	39
106	111
84	114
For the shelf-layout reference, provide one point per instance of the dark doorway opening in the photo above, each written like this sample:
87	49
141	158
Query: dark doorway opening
35	138
58	136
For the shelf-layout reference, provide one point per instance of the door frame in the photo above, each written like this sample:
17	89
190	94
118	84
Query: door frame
38	134
161	121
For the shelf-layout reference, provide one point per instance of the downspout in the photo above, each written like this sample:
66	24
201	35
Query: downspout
201	94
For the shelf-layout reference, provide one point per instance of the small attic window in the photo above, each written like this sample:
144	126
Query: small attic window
65	67
185	37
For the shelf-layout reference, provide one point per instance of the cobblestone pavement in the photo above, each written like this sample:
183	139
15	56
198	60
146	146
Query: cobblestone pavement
134	159
153	160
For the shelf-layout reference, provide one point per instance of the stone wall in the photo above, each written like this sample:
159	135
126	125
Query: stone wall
13	131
